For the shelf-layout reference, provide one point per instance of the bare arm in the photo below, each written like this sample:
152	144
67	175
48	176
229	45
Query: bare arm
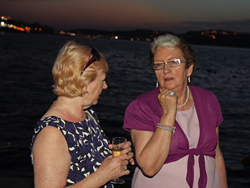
52	160
152	148
220	164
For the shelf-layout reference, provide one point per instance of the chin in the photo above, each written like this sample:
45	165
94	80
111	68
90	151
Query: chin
95	102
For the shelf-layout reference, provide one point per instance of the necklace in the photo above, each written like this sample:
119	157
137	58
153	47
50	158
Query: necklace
186	99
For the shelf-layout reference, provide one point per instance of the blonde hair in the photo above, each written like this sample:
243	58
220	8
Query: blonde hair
69	80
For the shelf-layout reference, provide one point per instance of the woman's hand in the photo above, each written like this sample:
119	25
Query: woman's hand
126	151
115	167
168	102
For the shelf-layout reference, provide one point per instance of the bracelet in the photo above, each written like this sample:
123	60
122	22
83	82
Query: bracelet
163	125
172	129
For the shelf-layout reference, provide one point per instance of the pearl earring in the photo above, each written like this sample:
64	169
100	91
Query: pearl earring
157	84
189	79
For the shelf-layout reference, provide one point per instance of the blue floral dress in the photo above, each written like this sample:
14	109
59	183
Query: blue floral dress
87	143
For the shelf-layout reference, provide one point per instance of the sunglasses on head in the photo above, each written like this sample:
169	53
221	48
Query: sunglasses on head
94	55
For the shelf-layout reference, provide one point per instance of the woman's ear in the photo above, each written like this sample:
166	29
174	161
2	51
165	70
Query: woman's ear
85	90
190	70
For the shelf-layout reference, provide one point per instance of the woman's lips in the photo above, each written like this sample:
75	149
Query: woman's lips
168	79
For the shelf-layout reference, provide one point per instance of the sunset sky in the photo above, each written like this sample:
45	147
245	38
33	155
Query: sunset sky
176	15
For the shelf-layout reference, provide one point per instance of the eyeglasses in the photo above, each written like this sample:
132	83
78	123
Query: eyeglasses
158	65
94	55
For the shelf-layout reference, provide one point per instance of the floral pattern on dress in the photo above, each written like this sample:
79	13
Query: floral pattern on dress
87	144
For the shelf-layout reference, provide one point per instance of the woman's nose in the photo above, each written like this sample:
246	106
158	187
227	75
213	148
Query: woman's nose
105	85
166	69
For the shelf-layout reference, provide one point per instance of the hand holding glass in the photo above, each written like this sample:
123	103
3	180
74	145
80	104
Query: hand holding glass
118	143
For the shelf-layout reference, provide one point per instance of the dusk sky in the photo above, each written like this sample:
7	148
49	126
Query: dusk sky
177	16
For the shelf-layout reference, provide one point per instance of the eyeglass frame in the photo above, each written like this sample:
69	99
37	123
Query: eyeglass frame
94	56
167	63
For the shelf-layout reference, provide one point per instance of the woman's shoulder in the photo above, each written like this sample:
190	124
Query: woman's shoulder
148	96
203	95
49	121
148	100
200	91
47	125
46	120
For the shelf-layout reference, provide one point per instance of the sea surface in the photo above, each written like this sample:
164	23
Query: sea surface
26	61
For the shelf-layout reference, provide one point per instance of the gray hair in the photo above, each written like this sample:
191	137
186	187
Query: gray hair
165	41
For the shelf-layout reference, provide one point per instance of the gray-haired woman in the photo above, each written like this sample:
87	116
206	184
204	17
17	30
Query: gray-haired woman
175	127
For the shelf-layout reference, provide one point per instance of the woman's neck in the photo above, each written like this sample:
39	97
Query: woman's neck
186	101
69	109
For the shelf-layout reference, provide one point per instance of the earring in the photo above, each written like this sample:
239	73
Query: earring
189	79
157	84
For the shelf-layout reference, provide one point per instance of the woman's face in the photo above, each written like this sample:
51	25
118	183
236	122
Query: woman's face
174	78
94	89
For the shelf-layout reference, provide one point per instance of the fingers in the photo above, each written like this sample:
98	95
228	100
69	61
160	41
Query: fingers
167	95
110	146
122	167
167	92
130	158
109	157
162	89
127	145
163	95
117	166
126	153
172	93
168	101
127	150
124	170
113	167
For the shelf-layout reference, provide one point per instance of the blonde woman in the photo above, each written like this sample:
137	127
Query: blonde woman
69	148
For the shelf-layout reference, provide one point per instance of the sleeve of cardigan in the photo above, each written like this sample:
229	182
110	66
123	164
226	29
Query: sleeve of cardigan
217	110
138	116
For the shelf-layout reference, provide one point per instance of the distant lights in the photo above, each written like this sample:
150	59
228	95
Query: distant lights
116	37
10	25
5	18
3	24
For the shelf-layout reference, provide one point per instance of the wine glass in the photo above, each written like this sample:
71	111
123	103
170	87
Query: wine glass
118	143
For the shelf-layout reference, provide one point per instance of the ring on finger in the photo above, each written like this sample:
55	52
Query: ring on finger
172	93
125	167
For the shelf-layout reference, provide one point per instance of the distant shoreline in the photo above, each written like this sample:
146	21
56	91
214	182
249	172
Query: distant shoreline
212	37
240	41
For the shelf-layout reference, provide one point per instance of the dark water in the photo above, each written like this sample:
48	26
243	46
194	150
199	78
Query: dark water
26	93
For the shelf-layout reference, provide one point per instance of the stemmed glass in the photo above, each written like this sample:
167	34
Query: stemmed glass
118	143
